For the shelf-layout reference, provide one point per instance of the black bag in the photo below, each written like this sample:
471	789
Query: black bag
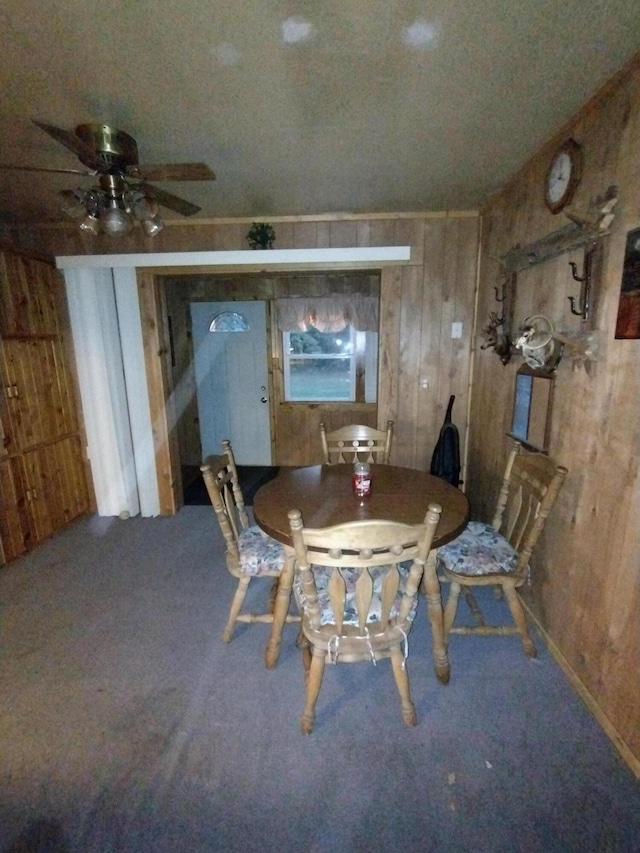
445	461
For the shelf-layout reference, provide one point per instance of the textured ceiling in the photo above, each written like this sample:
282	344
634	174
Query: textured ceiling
303	107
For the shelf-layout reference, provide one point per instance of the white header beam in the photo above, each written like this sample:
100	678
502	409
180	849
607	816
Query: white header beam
259	257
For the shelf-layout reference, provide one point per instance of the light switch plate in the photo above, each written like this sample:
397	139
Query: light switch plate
456	330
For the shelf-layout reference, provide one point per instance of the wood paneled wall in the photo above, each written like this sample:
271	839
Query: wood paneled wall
295	435
586	574
420	364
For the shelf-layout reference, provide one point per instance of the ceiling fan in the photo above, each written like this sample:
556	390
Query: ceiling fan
123	192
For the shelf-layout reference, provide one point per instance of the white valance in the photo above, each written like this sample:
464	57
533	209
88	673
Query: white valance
328	313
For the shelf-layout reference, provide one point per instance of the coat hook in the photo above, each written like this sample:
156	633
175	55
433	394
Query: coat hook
501	294
581	308
574	272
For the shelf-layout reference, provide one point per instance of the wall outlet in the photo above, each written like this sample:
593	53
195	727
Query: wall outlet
456	330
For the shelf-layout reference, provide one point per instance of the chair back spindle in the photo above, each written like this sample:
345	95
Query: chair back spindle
356	443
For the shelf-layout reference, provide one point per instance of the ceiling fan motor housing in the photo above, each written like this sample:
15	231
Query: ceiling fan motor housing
113	148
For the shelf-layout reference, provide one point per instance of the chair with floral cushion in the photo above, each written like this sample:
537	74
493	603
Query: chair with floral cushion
356	443
250	552
498	554
356	587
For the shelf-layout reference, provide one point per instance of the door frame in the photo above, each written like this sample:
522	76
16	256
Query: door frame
157	354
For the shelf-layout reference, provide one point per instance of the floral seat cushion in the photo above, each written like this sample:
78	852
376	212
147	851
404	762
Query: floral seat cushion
322	575
479	550
259	553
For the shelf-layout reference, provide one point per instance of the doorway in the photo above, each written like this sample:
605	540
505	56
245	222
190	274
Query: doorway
293	427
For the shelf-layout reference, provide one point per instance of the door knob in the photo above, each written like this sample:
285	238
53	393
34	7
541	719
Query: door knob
263	399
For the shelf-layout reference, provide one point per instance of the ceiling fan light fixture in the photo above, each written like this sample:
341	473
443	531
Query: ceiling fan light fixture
90	224
74	206
115	220
152	226
123	195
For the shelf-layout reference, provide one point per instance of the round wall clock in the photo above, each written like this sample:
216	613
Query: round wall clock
563	175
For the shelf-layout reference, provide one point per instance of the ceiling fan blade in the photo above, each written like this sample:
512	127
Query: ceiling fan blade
173	202
70	141
172	172
55	171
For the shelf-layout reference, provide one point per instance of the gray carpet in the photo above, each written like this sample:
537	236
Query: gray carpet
127	725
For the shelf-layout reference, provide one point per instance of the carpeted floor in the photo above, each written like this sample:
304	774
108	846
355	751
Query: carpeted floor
127	725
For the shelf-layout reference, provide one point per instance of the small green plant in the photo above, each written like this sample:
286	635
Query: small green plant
261	236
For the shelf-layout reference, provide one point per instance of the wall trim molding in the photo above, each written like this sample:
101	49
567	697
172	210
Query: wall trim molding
578	685
379	255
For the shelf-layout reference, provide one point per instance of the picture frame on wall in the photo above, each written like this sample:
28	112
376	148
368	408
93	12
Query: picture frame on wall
532	402
628	321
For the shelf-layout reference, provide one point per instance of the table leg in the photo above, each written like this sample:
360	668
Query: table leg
280	610
434	609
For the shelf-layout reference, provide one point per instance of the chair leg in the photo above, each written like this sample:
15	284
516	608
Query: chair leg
402	683
302	642
236	607
314	682
476	613
434	611
517	612
280	610
451	607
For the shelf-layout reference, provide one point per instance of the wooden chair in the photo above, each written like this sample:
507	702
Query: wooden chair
357	600
250	552
498	554
356	443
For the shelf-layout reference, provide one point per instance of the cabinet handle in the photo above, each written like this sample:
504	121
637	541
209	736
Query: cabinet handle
16	393
9	391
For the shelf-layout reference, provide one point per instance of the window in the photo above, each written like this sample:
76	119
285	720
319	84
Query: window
229	321
330	366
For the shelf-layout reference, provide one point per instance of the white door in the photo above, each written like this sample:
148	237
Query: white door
232	382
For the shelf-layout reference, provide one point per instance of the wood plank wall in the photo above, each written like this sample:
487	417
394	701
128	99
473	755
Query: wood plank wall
586	582
420	363
295	431
418	303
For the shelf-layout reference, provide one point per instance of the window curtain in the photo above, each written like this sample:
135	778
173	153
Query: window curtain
328	313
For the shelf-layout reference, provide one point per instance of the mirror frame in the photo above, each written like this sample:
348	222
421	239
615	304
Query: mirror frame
532	407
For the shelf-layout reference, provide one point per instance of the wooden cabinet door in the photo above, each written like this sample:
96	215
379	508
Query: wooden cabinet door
42	491
15	526
42	466
29	296
38	393
55	474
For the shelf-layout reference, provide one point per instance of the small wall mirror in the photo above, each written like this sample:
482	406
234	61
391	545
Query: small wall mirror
532	408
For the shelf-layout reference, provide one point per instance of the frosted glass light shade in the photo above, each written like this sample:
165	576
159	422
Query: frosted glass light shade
152	226
90	224
116	222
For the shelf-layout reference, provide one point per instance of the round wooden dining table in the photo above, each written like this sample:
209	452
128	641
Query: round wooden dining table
324	496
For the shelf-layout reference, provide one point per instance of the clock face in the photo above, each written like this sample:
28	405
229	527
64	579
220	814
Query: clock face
563	176
559	177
